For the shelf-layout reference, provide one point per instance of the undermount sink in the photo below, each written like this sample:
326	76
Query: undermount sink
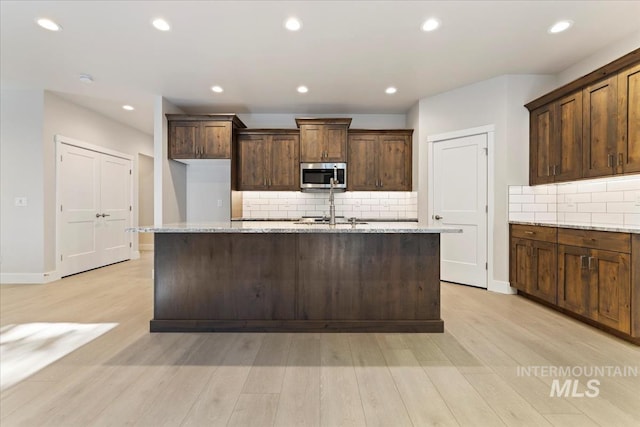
339	221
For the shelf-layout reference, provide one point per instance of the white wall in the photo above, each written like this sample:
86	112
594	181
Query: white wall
30	121
209	181
170	177
359	121
600	58
21	172
145	199
499	102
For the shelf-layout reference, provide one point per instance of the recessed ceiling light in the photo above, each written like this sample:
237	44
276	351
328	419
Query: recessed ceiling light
161	24
390	90
48	24
560	26
430	24
86	78
217	89
302	89
293	24
128	107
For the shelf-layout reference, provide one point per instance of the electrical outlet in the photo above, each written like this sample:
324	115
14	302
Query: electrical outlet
20	201
219	203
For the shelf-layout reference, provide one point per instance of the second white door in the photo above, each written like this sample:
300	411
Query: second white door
460	200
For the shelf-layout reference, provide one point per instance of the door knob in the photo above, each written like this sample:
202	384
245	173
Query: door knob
437	217
98	215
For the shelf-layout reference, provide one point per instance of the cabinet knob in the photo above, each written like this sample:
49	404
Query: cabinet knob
437	217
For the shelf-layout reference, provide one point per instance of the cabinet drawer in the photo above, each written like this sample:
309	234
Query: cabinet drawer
618	242
534	232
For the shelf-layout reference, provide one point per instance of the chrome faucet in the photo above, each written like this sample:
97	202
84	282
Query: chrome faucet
332	206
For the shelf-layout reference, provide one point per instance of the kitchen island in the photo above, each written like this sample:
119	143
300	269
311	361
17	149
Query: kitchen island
283	276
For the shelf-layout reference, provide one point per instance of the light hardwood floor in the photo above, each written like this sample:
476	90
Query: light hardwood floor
467	376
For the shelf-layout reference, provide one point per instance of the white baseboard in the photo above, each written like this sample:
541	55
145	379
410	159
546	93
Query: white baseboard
28	278
135	254
145	246
501	287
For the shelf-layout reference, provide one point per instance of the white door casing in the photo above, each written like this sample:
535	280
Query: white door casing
459	193
94	206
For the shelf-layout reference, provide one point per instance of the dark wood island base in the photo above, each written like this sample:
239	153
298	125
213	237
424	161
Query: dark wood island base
290	282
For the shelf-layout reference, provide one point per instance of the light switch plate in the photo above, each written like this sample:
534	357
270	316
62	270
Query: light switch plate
20	201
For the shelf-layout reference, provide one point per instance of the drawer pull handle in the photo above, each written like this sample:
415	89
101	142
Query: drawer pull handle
530	232
592	264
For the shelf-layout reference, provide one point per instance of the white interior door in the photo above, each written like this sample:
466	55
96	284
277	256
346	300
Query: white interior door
115	207
95	207
460	200
80	202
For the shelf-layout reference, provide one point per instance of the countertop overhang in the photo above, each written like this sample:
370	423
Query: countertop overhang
592	227
291	227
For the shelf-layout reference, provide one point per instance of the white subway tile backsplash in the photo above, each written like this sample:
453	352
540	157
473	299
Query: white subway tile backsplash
567	188
567	207
577	198
526	207
632	196
515	189
592	207
522	216
623	185
576	218
522	198
592	187
622	207
607	218
515	207
632	219
612	196
545	198
550	217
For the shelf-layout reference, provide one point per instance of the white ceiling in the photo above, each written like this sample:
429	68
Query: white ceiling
347	52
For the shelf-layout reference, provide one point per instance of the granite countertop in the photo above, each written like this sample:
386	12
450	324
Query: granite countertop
595	227
291	227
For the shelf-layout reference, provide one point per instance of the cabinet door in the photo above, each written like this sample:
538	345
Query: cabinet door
610	289
252	159
629	120
182	139
394	163
520	264
544	269
215	140
567	144
361	173
573	279
335	143
541	145
284	162
311	143
599	127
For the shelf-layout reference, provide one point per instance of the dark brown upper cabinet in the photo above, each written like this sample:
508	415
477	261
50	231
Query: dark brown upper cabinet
629	120
379	160
207	136
268	159
600	127
556	141
589	127
323	140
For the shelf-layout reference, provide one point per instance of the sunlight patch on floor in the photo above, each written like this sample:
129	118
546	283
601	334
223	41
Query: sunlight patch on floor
27	348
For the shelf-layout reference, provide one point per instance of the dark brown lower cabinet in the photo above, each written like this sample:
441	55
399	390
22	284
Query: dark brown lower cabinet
591	274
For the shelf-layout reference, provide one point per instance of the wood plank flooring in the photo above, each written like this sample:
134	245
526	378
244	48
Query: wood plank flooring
467	376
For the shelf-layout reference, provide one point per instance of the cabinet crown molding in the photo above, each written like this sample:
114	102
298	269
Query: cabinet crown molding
209	117
324	121
628	60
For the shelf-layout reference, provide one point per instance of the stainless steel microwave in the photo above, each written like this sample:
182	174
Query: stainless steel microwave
317	176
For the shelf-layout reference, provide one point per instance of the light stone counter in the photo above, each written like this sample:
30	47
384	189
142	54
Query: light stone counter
593	227
292	227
